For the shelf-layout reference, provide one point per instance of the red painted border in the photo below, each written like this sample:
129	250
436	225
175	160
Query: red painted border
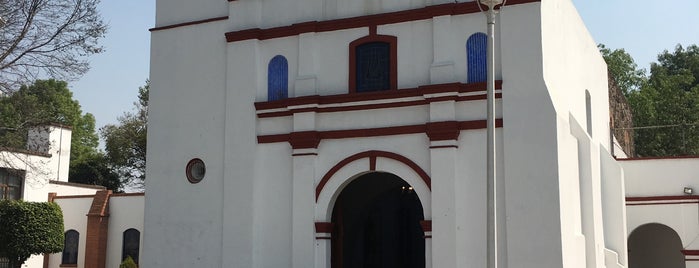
426	225
659	158
690	252
392	42
372	96
324	227
311	139
362	21
187	23
373	154
662	203
662	198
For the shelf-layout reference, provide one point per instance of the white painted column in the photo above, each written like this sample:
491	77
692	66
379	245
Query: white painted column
303	191
427	228
323	244
443	133
305	84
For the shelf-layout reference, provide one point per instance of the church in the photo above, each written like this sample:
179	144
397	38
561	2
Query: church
342	134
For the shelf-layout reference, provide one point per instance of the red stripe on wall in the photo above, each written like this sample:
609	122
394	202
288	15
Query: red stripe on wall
361	21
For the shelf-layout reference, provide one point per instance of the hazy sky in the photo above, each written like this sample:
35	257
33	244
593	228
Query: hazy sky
643	27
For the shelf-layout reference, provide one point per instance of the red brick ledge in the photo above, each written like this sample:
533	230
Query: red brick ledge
361	21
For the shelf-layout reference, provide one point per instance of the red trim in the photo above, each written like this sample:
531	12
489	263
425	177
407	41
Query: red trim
442	131
74	196
372	163
660	158
371	96
128	194
444	146
324	227
362	21
691	252
661	203
415	167
187	23
304	154
391	40
662	198
304	139
307	139
426	225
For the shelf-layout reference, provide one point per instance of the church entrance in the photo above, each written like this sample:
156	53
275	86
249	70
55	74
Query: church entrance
377	224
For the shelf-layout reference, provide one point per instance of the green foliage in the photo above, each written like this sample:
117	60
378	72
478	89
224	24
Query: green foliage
96	170
44	102
128	263
125	143
28	228
669	105
623	69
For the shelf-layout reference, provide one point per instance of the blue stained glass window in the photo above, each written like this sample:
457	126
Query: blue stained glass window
277	78
476	53
70	247
373	67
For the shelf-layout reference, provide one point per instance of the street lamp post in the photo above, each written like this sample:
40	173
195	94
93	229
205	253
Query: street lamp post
492	243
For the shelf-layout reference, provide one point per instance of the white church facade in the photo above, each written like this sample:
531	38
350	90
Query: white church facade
326	133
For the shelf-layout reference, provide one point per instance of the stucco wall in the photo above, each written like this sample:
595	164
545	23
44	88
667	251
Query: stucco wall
125	212
74	211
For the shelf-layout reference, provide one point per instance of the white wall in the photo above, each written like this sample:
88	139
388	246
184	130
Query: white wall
186	118
74	218
660	177
125	212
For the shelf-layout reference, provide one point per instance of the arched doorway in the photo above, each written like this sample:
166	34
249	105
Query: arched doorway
655	245
377	224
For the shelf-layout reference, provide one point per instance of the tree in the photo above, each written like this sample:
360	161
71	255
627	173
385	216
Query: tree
28	228
128	263
45	102
623	69
47	37
125	143
667	107
96	170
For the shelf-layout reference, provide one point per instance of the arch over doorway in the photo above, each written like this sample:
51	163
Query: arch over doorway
344	172
655	245
376	221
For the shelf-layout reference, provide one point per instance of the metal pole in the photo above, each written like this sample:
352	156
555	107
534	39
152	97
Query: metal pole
492	192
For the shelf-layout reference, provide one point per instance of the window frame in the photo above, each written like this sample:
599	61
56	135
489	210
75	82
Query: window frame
64	254
393	60
281	61
123	245
6	175
477	57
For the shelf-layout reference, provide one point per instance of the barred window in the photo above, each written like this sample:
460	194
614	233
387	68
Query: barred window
373	67
476	50
11	184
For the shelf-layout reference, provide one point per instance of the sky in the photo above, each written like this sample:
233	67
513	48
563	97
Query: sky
643	28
